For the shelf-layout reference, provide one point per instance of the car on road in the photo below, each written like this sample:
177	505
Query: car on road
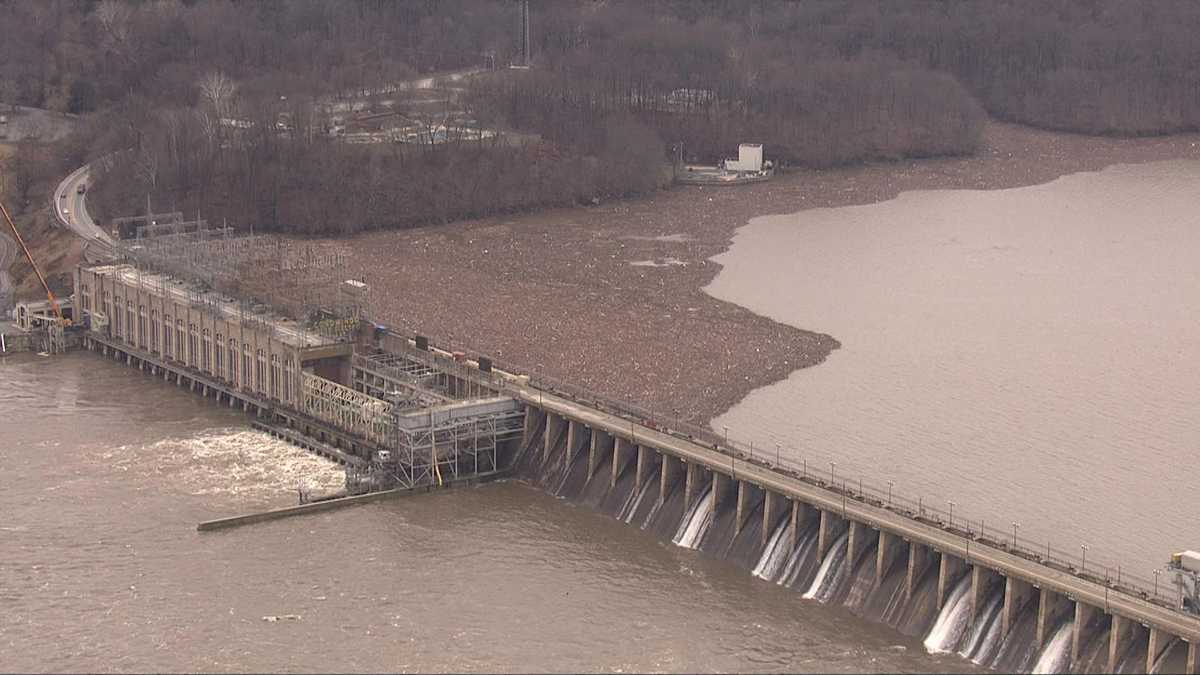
81	189
66	211
63	196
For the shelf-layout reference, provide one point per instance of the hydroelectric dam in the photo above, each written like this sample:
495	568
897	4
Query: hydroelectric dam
281	330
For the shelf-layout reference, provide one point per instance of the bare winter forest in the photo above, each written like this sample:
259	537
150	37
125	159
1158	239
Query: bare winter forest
246	110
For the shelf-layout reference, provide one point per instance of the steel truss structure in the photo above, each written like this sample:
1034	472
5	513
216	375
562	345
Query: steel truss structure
460	379
346	409
399	380
450	449
302	282
420	434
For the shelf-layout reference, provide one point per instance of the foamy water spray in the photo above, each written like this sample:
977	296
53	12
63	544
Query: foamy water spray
951	621
695	523
235	461
792	569
774	555
1056	656
634	501
822	585
985	634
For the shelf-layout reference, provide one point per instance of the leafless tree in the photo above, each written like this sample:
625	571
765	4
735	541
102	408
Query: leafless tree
114	17
146	168
218	90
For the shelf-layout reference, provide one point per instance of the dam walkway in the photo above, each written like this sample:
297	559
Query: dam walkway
886	522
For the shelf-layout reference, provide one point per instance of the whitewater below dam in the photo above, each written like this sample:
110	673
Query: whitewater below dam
1032	354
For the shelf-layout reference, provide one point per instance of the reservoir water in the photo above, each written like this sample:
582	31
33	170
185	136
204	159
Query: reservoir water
1032	354
104	473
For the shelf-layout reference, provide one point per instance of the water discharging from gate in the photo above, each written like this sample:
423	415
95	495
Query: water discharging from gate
985	633
829	572
952	620
696	522
708	526
1056	657
775	555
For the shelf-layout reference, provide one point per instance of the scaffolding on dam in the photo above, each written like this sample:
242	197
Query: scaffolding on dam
421	431
442	425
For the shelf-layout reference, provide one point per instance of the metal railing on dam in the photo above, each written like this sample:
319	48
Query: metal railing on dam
1087	565
867	522
1093	585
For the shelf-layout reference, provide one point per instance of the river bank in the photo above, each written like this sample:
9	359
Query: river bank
611	297
57	251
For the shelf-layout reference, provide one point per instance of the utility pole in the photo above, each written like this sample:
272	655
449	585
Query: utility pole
526	49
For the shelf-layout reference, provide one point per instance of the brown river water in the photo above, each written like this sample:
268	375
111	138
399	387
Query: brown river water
105	472
1031	354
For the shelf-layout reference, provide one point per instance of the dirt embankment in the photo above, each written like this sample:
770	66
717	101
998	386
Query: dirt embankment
562	292
56	250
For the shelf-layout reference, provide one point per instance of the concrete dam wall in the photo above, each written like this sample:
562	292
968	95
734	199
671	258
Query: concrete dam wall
956	607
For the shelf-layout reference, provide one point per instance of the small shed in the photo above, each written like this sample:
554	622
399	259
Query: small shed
750	158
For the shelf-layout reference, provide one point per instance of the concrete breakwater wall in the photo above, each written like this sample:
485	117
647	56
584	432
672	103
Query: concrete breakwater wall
967	602
17	341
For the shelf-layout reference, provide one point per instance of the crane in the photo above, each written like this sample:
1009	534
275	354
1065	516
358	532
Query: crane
62	321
